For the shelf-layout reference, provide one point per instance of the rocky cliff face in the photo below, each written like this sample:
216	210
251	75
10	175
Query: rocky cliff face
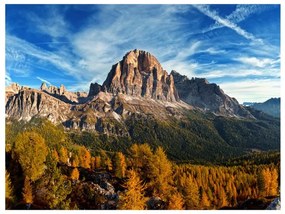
139	74
207	96
64	95
28	103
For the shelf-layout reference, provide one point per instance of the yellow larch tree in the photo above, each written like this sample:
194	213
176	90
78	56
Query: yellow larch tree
133	198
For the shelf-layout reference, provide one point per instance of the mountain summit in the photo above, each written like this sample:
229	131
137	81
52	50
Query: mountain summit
139	74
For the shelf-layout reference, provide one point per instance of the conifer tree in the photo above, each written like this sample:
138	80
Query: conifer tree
54	187
133	198
176	201
27	192
191	193
9	194
120	165
84	157
274	183
160	174
74	174
31	152
106	162
63	155
204	202
97	162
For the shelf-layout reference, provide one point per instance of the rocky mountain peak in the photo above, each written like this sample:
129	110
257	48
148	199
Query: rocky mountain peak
200	93
139	74
44	87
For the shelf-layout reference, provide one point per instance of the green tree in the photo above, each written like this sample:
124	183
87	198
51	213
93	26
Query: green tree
105	162
53	188
133	198
31	152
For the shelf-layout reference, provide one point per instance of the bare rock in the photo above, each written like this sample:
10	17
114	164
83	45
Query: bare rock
198	92
140	74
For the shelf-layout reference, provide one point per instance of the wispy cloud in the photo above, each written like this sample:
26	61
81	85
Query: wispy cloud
205	9
249	90
241	13
8	79
43	80
31	54
253	61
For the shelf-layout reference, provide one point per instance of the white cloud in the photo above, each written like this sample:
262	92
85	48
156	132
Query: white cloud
237	71
43	80
8	79
53	25
258	90
241	13
32	53
205	9
253	61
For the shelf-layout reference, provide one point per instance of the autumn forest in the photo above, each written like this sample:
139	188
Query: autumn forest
46	169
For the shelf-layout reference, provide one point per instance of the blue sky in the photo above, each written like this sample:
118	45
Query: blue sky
235	46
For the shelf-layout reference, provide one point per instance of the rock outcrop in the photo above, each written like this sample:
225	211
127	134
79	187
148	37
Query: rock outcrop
198	92
94	89
28	103
64	95
139	74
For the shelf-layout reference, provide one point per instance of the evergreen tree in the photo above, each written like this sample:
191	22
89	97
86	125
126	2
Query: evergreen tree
54	187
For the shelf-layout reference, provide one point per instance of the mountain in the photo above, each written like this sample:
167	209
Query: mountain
139	102
138	74
271	107
207	96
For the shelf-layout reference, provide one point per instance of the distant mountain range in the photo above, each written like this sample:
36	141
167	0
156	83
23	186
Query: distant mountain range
271	106
141	102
